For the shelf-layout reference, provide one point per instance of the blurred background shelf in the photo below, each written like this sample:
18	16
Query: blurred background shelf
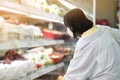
12	8
28	43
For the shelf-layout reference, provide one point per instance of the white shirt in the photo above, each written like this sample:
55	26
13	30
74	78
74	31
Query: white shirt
96	57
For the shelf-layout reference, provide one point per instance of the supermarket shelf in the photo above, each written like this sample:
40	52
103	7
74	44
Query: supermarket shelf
42	71
29	12
28	43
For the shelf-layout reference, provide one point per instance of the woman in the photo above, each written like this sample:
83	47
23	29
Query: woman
97	52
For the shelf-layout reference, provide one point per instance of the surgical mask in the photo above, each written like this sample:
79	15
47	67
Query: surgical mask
69	32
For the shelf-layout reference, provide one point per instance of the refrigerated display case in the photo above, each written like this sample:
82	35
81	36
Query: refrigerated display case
30	16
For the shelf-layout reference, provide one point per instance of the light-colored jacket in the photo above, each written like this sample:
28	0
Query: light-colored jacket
96	57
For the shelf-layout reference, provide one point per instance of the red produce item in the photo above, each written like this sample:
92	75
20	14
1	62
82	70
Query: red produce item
13	55
38	65
57	57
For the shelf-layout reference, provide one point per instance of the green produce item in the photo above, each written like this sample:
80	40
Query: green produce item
47	62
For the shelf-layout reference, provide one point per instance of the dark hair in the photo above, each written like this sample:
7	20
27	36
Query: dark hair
78	23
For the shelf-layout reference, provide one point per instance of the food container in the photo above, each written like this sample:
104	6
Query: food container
52	34
3	35
12	32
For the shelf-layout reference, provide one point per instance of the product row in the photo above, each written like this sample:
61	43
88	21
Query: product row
14	64
12	29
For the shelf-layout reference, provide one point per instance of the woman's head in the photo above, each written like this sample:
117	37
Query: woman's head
78	23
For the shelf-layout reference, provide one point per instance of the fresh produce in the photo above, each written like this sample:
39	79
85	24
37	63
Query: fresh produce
47	62
56	58
38	65
46	56
12	55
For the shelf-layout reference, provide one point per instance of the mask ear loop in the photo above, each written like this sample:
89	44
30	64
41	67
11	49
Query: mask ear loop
69	32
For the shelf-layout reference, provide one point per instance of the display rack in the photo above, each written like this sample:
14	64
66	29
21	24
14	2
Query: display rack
32	13
42	71
29	12
28	43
